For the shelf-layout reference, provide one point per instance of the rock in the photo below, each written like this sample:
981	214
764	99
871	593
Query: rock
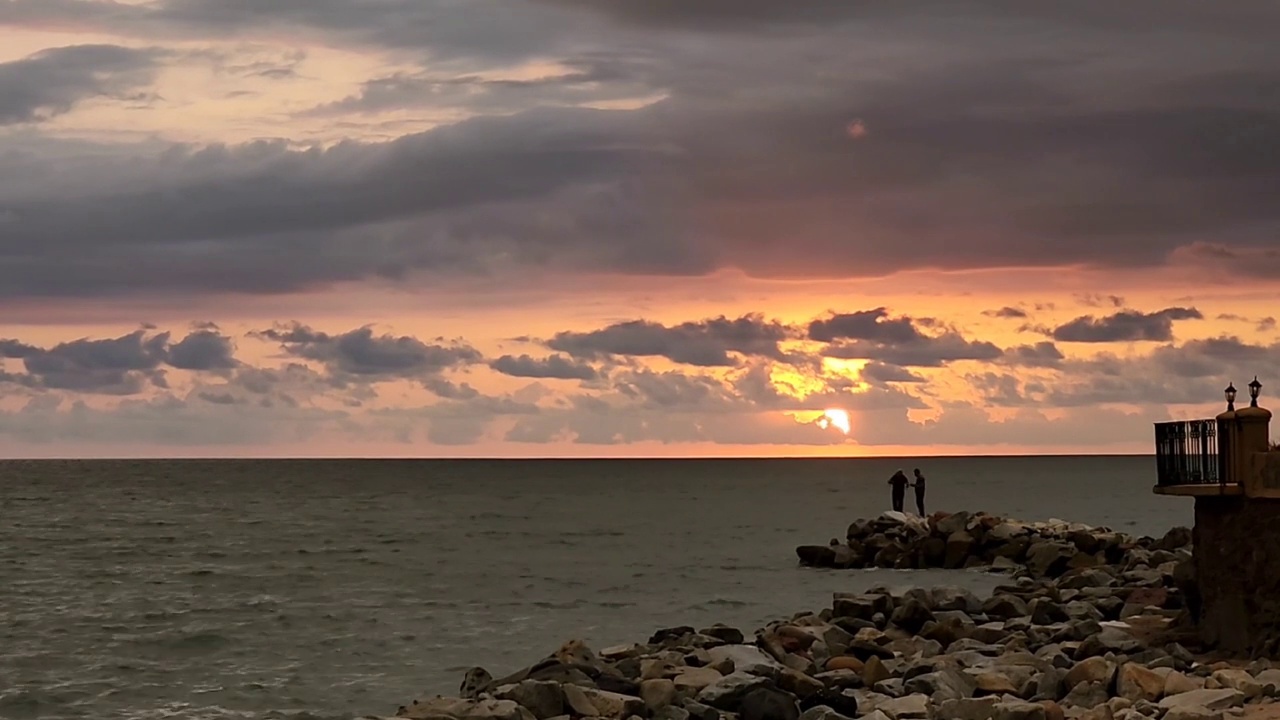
942	685
1176	683
909	707
1136	682
695	679
1019	711
698	711
1178	537
966	709
1053	711
912	615
656	694
1090	670
1086	695
994	683
800	684
1044	611
474	681
671	712
953	523
955	599
1215	700
959	548
822	712
1192	713
543	698
1111	639
875	671
844	662
843	703
724	633
613	705
463	709
1049	559
767	703
746	658
1004	607
1241	680
576	701
727	692
823	556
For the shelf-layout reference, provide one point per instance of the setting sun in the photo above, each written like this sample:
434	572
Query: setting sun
838	419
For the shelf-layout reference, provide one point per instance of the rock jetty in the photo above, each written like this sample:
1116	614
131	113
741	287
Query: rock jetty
1090	626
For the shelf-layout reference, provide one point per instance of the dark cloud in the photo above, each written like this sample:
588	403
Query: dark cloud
707	343
1041	354
556	366
879	372
1125	326
52	82
1007	313
1072	140
874	335
124	365
874	325
203	350
361	353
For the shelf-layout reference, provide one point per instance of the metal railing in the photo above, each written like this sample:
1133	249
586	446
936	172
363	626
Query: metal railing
1188	453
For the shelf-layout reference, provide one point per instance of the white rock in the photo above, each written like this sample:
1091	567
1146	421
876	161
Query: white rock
747	659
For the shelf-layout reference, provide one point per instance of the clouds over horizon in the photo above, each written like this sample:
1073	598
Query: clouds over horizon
581	138
750	380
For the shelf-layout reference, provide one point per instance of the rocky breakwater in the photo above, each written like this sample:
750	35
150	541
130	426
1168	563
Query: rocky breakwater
964	540
1101	642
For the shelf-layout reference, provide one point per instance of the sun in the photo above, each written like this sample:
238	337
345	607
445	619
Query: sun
836	418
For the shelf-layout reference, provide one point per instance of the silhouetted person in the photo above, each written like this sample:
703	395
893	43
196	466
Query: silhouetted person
899	482
919	486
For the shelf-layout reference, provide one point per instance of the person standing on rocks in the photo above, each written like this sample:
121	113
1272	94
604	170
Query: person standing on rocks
899	482
919	486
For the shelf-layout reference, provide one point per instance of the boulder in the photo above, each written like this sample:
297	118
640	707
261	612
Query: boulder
1214	700
1017	710
1090	670
912	615
908	707
966	709
1086	695
464	709
843	703
822	556
844	662
656	694
1044	611
543	698
994	683
953	523
746	658
1049	558
1241	680
1176	683
724	633
695	679
959	549
952	598
1003	606
800	684
1136	682
475	681
614	705
941	685
767	703
727	692
822	712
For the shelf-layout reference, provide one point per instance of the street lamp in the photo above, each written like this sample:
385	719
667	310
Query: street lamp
1231	397
1254	388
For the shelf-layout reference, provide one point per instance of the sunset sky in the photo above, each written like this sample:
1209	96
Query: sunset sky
632	227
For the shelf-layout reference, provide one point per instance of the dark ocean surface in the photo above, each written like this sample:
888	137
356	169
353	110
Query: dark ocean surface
327	589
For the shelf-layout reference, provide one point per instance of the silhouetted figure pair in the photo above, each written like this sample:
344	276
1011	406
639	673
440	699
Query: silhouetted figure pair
899	483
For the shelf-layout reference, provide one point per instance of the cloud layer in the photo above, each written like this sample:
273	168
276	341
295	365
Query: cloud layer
659	138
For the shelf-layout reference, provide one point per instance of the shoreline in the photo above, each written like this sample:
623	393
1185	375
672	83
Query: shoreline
1090	623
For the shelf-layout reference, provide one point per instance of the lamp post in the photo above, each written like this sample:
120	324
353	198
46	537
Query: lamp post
1255	387
1231	397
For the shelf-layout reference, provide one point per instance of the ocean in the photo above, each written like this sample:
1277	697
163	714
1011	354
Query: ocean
215	589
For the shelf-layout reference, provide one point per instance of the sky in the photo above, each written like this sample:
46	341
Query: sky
458	228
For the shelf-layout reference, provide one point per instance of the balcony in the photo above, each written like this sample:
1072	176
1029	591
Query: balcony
1188	453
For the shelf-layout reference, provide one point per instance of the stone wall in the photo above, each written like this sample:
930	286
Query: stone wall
1237	562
